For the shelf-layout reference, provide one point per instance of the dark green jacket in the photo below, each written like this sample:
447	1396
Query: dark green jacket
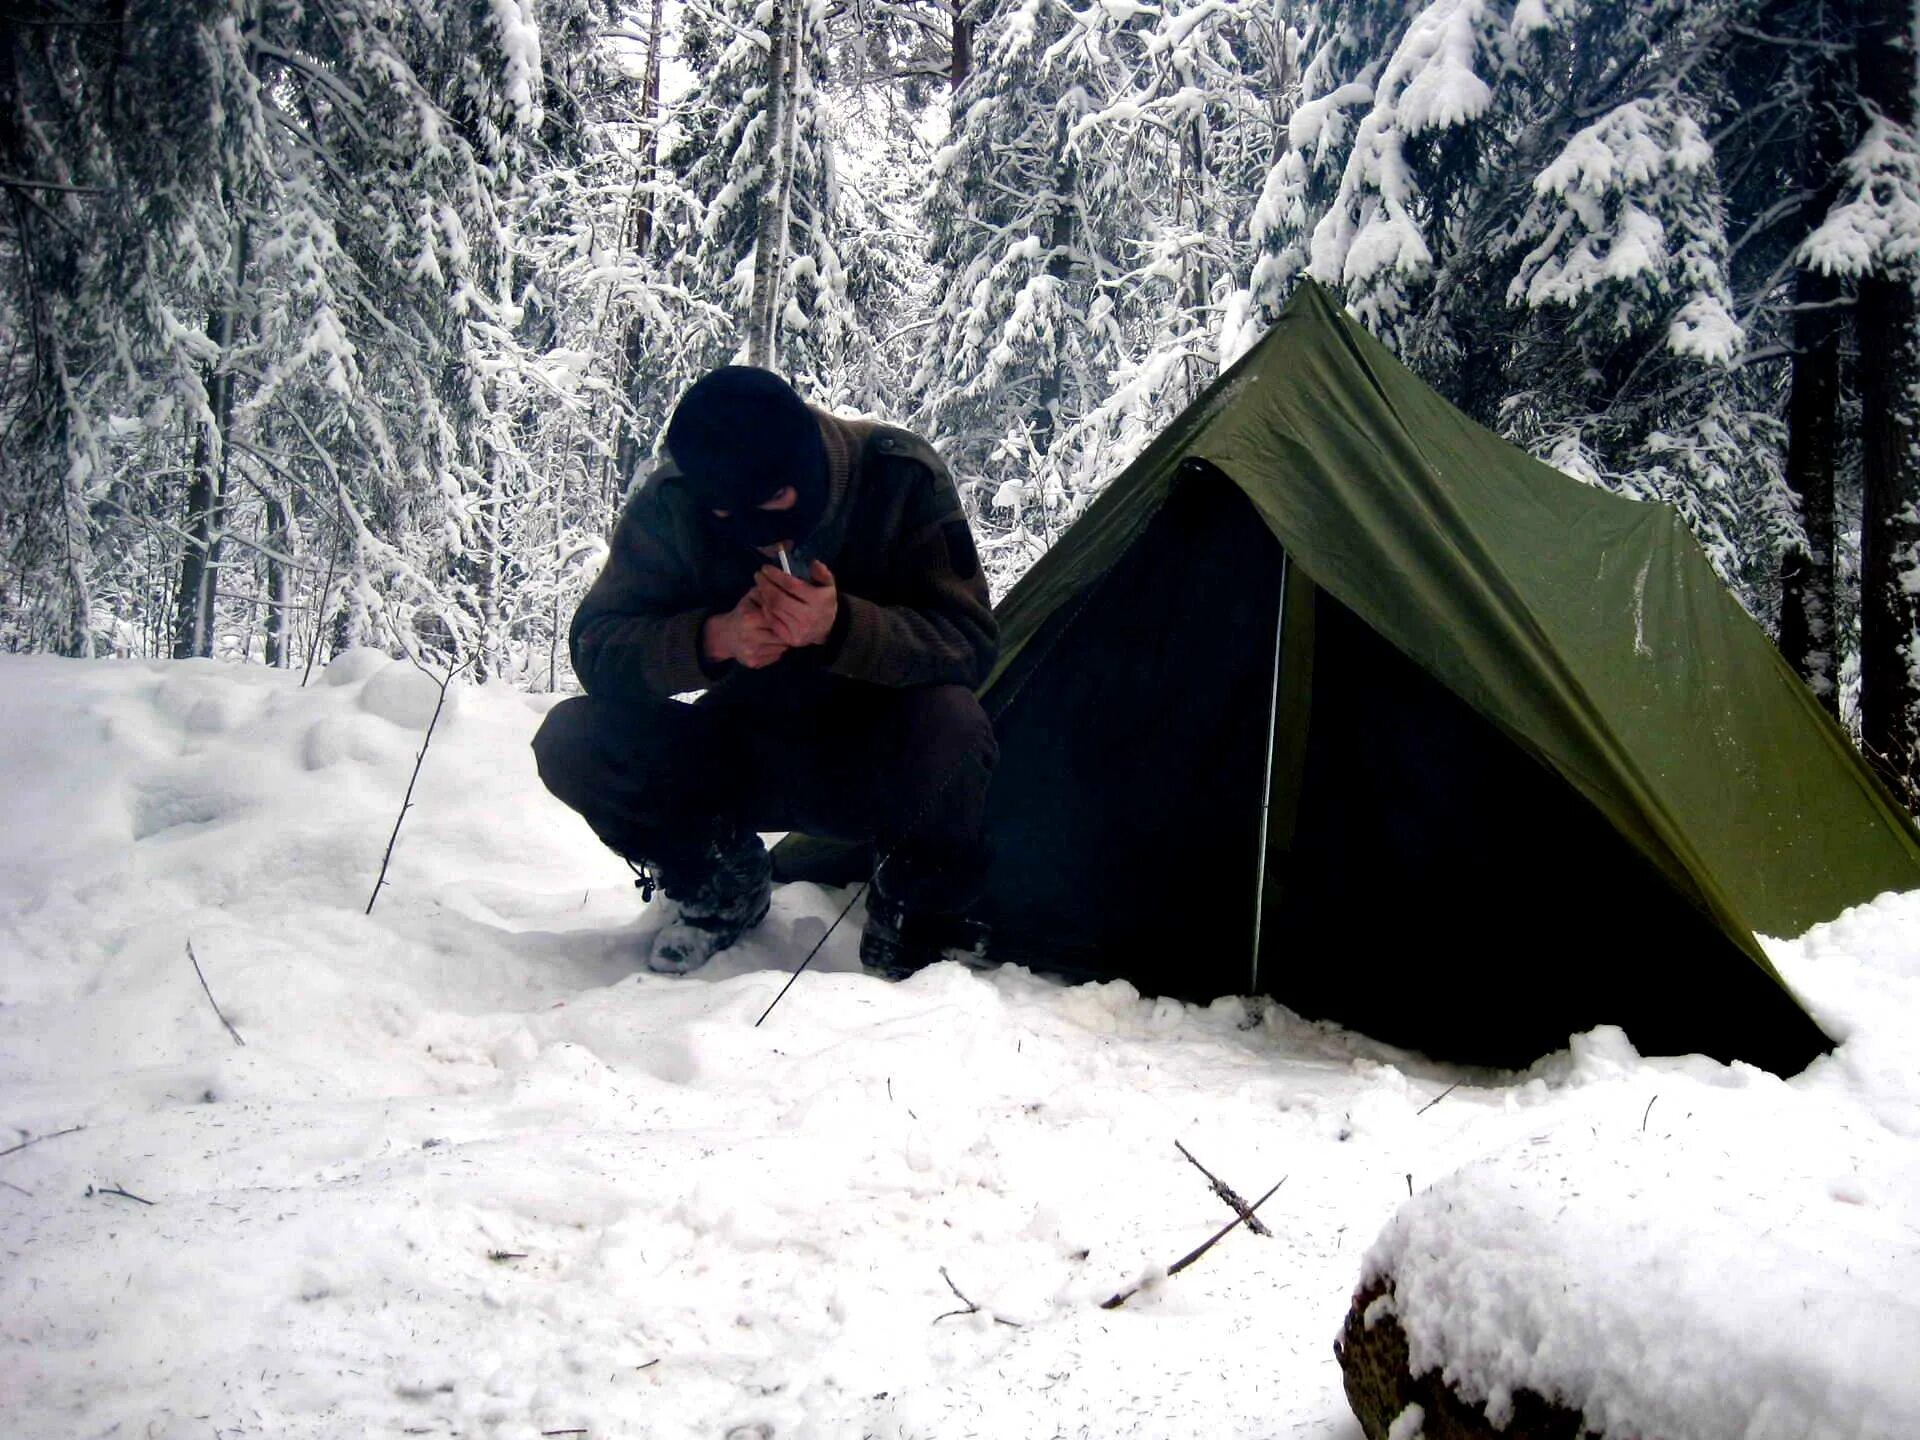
914	608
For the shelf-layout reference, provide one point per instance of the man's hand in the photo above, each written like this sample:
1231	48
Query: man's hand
743	634
801	612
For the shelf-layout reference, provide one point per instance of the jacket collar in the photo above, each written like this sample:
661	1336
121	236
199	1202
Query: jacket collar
841	445
844	440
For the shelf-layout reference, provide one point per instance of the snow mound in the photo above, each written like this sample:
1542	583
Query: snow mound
1733	1261
407	696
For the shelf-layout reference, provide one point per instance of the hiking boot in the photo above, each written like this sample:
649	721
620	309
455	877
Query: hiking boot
896	943
722	892
686	944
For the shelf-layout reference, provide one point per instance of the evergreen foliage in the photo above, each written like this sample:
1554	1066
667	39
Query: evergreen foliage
725	152
354	323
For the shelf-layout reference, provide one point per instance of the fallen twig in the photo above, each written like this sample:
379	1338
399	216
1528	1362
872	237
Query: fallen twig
564	1432
406	802
210	1000
497	1256
115	1190
1191	1256
1436	1099
1227	1193
1646	1112
972	1309
1114	1302
35	1140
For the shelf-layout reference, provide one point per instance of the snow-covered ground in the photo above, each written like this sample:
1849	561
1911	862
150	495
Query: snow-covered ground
473	1173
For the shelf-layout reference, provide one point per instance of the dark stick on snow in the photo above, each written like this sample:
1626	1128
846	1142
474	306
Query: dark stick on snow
852	900
406	803
210	1000
926	808
116	1190
563	1432
50	1135
972	1309
1114	1302
1437	1099
1227	1193
1645	1113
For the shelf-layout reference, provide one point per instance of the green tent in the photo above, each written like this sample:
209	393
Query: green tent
1335	696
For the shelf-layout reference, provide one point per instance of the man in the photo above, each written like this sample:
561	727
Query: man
816	579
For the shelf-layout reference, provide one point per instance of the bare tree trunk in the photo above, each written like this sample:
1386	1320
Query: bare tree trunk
1890	445
1280	80
76	553
1045	420
206	493
193	599
1195	187
1889	525
1808	594
1806	574
962	63
626	448
79	627
491	638
280	643
642	236
770	241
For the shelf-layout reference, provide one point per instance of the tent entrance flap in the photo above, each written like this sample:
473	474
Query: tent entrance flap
1122	822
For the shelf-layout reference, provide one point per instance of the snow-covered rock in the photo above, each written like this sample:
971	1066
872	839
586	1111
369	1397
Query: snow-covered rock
1735	1262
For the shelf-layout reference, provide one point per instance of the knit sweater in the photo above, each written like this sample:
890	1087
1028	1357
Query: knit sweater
913	605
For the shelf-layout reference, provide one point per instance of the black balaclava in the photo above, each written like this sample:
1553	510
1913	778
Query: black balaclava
740	435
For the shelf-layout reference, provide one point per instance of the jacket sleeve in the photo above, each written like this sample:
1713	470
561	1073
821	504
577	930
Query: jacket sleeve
936	626
636	635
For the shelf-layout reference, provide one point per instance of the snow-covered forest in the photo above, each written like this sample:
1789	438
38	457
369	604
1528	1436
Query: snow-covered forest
349	324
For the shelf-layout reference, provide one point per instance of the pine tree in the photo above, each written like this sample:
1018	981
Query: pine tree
1030	211
1193	134
1873	234
1524	200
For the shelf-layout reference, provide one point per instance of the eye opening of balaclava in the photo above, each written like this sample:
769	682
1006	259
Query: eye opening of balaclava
741	435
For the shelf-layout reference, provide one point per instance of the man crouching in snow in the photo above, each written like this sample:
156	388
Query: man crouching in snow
839	697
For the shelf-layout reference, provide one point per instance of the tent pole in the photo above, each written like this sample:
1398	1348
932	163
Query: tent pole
1266	791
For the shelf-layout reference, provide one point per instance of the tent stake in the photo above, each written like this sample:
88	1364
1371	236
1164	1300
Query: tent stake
1266	792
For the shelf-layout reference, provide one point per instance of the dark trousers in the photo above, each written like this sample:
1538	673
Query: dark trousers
905	769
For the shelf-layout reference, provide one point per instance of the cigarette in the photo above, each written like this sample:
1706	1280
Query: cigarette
784	565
